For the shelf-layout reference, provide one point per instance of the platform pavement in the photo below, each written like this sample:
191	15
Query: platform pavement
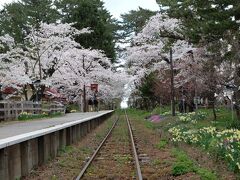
21	127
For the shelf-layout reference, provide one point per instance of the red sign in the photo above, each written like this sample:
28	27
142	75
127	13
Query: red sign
94	87
8	90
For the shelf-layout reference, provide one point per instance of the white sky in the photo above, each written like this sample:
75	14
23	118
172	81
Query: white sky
2	2
117	7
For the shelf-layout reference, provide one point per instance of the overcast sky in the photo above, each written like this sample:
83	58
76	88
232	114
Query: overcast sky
117	7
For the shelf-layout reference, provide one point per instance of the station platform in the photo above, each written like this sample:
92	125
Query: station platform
25	145
15	128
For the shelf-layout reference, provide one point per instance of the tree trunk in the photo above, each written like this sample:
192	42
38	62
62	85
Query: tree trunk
214	110
237	104
25	93
236	95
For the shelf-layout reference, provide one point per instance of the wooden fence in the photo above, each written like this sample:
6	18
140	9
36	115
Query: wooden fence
10	110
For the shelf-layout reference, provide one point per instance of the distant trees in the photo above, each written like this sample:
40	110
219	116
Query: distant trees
133	22
17	18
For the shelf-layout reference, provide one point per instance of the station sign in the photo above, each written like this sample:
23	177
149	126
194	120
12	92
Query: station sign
94	87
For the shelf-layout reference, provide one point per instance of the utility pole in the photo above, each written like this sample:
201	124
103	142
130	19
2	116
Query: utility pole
84	99
172	85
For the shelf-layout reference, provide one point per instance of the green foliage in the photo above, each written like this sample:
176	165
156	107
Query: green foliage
146	88
138	114
206	174
39	11
134	21
12	20
161	110
208	20
146	91
90	13
66	150
16	17
162	144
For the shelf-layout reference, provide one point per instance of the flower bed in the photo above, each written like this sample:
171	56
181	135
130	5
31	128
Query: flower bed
192	117
23	116
225	144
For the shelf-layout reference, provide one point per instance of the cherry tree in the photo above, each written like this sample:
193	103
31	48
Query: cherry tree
149	52
84	67
53	58
150	48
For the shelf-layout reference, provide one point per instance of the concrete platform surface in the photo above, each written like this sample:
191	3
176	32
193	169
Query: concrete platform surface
21	127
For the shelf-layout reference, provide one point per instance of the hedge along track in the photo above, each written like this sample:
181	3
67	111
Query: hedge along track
116	156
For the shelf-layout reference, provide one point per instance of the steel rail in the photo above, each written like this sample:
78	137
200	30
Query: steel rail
95	153
139	173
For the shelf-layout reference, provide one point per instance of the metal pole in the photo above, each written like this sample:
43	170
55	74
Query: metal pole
172	85
232	107
84	99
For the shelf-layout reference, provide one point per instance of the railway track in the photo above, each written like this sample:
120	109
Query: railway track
116	156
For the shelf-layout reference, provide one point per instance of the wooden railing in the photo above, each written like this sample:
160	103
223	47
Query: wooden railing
10	110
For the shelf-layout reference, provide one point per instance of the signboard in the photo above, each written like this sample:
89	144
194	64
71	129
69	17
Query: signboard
94	87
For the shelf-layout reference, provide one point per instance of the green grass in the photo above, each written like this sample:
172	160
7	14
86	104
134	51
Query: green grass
223	121
206	174
156	162
161	110
122	159
184	164
162	144
224	118
66	149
